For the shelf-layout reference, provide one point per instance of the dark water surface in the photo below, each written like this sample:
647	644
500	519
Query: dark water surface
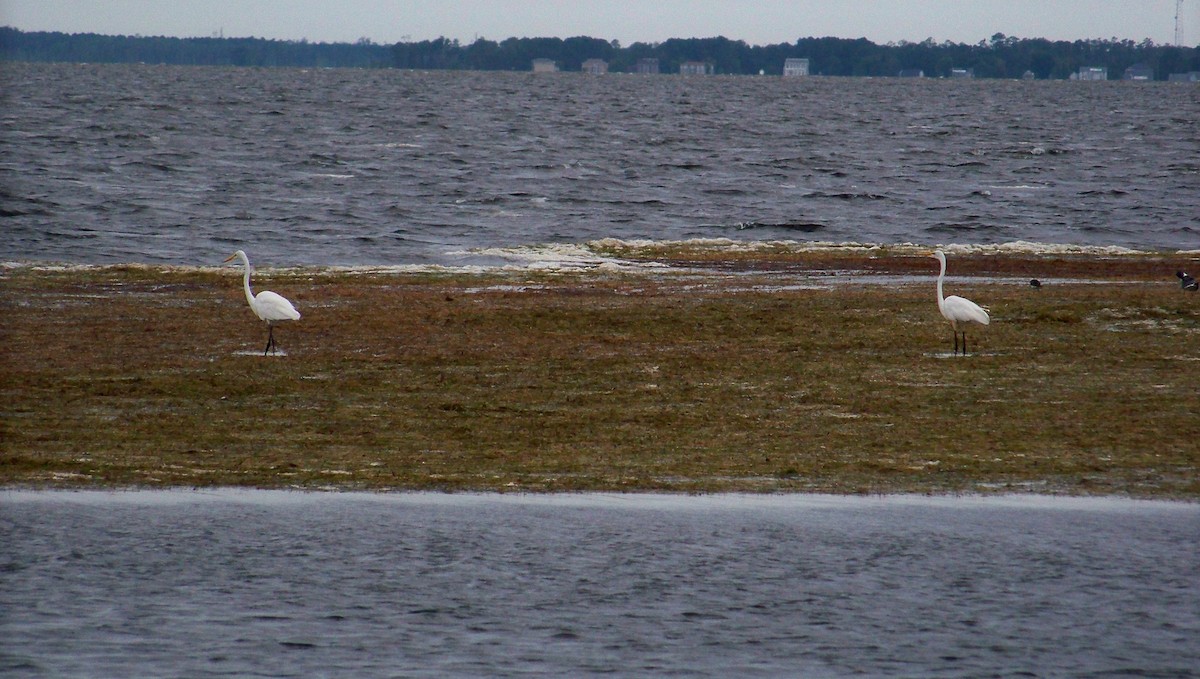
250	583
124	163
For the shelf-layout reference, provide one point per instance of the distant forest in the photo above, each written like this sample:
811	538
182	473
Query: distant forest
999	57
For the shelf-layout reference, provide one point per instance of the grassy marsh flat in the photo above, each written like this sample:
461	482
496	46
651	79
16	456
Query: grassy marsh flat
766	371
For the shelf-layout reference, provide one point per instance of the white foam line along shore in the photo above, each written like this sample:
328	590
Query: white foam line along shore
551	257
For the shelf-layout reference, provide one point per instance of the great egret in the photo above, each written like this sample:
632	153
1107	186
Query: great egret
267	305
957	309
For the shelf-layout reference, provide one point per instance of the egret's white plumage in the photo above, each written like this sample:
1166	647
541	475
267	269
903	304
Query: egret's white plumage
267	305
957	309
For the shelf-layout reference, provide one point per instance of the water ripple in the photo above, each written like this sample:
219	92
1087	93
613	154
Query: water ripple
456	160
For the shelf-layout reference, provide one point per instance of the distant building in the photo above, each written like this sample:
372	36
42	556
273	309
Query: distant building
1139	72
792	67
962	73
1190	77
1090	73
695	68
544	66
911	73
595	66
648	65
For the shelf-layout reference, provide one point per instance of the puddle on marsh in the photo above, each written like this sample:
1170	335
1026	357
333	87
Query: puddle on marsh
279	353
234	581
950	355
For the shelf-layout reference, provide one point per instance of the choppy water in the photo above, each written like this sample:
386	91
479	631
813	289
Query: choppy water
246	583
119	163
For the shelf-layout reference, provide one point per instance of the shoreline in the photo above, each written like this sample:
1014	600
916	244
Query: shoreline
734	500
651	256
763	372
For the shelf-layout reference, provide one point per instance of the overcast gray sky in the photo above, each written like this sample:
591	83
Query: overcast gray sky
755	21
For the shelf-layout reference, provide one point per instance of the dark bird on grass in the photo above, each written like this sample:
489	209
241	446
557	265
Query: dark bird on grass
267	305
957	309
1035	283
1186	281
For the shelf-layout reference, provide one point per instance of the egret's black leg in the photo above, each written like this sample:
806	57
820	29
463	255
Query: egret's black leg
955	342
964	342
270	339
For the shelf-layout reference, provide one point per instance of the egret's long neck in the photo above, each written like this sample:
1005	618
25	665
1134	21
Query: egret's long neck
941	276
250	295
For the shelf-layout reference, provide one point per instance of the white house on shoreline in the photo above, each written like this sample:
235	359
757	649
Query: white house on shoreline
795	67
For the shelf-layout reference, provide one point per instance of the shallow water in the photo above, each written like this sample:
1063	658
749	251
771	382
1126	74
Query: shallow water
254	583
126	163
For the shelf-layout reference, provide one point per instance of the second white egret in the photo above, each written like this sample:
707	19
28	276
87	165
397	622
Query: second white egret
267	305
957	310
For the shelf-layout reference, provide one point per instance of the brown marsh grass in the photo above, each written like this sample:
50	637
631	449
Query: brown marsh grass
739	374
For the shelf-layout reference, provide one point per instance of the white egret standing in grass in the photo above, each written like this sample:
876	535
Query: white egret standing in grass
267	305
957	309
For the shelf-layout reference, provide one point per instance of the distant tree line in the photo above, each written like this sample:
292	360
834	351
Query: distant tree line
999	57
16	45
